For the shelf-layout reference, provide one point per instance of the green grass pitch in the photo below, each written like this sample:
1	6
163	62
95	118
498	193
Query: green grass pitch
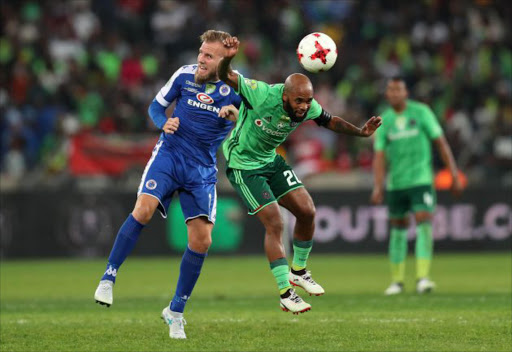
48	305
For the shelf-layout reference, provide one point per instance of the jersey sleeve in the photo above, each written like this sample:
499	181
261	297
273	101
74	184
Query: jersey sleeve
236	100
252	91
171	90
430	123
315	110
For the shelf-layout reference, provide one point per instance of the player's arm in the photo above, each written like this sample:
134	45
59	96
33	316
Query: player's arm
435	133
340	125
165	96
229	112
379	173
224	70
449	161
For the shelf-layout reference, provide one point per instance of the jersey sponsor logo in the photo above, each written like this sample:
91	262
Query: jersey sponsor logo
204	98
210	88
258	122
203	105
224	90
151	184
251	83
191	90
403	134
265	129
192	84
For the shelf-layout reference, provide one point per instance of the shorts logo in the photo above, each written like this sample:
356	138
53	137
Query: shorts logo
204	98
151	184
224	90
258	122
210	88
266	195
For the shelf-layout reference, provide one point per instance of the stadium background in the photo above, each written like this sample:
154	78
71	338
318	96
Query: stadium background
77	78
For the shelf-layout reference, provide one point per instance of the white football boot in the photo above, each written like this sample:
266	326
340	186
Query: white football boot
293	303
176	325
394	289
425	286
307	283
103	294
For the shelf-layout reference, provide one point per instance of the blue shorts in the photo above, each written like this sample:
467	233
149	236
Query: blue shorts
168	171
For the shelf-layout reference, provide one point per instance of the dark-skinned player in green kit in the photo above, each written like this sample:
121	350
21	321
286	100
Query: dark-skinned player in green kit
403	147
268	114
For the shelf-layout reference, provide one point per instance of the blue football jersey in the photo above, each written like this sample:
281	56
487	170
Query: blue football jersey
201	130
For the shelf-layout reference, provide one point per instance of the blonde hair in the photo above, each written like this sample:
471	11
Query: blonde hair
214	36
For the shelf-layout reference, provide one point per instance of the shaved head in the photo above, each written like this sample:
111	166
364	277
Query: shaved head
297	96
297	82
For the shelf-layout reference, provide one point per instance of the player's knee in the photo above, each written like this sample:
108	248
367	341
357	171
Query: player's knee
200	244
307	213
143	213
402	222
422	216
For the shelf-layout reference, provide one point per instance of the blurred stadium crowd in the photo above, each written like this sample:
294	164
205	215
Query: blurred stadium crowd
81	66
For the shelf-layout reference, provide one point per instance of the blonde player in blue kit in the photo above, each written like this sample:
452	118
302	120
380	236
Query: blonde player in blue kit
183	161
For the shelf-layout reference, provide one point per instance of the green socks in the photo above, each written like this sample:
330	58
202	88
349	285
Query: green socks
398	253
424	248
279	268
301	250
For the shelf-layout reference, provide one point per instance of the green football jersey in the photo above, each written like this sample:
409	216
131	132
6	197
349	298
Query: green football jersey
262	125
406	139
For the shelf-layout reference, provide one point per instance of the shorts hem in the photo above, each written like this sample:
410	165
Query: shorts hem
198	216
161	208
261	207
288	191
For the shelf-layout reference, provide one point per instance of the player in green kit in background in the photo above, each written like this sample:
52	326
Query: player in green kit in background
403	147
268	114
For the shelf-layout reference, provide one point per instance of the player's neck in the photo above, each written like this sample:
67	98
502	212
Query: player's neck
400	107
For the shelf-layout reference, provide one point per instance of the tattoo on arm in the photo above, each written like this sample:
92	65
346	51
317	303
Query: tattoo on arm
339	125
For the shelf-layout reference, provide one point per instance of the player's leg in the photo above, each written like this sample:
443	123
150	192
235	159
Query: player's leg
270	216
252	186
398	206
199	206
155	191
124	243
299	203
424	200
292	195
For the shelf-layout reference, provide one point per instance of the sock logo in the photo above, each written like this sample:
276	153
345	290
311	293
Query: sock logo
111	271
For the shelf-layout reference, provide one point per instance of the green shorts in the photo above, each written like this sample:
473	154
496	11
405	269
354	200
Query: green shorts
415	199
260	187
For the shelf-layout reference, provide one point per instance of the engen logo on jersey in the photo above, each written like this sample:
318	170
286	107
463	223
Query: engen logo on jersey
204	98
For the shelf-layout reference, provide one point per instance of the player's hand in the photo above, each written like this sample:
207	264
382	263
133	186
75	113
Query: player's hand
377	196
370	126
229	112
231	44
456	187
171	125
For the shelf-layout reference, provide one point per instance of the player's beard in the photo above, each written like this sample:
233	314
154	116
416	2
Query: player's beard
289	110
212	76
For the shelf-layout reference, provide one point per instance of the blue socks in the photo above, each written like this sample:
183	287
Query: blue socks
125	241
190	268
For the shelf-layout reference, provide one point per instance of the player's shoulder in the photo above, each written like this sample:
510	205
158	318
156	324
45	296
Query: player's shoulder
185	71
417	105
